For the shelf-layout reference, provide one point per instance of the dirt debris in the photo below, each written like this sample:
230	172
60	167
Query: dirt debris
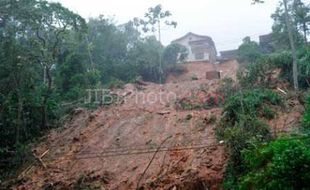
110	148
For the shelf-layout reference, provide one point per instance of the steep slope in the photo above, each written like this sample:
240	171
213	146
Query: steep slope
145	141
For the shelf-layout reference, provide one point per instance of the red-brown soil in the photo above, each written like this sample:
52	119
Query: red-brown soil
111	147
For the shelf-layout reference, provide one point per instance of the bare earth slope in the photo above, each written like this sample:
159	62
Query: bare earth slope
111	148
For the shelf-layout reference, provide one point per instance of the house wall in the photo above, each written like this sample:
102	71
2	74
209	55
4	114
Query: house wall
209	52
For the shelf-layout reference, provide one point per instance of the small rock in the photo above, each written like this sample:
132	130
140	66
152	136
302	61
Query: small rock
75	139
163	112
188	117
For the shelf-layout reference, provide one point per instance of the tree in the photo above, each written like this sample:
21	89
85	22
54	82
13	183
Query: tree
285	25
153	20
301	14
50	23
291	39
32	34
249	51
174	53
280	29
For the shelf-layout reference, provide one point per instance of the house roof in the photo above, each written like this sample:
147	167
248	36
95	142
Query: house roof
229	54
207	38
265	38
192	34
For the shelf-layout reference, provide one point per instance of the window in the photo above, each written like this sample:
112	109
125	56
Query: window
207	56
199	56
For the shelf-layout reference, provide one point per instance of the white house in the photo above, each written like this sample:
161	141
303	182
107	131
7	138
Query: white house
200	48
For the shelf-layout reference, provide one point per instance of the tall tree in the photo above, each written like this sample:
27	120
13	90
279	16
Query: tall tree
153	21
292	44
249	51
50	23
301	15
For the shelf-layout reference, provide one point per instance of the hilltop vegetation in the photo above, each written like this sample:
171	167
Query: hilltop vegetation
259	159
50	55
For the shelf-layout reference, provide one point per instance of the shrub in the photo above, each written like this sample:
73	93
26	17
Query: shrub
242	130
268	113
174	53
306	117
304	67
282	164
244	137
228	87
249	51
256	74
116	83
249	102
194	77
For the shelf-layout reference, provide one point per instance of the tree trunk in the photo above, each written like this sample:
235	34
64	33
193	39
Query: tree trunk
304	26
291	39
161	72
19	117
44	120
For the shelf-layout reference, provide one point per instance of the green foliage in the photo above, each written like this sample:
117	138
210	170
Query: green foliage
304	66
228	87
250	102
188	105
50	56
256	74
245	136
154	17
249	51
242	130
306	117
259	73
174	53
29	48
116	83
279	29
282	164
268	113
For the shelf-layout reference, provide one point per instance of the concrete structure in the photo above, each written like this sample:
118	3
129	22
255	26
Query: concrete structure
266	43
200	48
229	54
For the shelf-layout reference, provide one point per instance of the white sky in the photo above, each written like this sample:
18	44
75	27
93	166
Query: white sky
226	21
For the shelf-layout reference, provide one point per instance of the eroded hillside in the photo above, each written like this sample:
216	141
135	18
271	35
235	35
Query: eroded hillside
155	143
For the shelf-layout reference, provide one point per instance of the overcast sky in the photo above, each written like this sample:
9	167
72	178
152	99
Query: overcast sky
226	21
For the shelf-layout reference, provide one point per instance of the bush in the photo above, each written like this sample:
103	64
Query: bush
228	87
174	53
306	117
244	137
258	72
242	130
304	67
249	102
249	51
282	164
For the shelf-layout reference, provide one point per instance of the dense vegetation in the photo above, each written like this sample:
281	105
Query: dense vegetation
49	56
258	160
